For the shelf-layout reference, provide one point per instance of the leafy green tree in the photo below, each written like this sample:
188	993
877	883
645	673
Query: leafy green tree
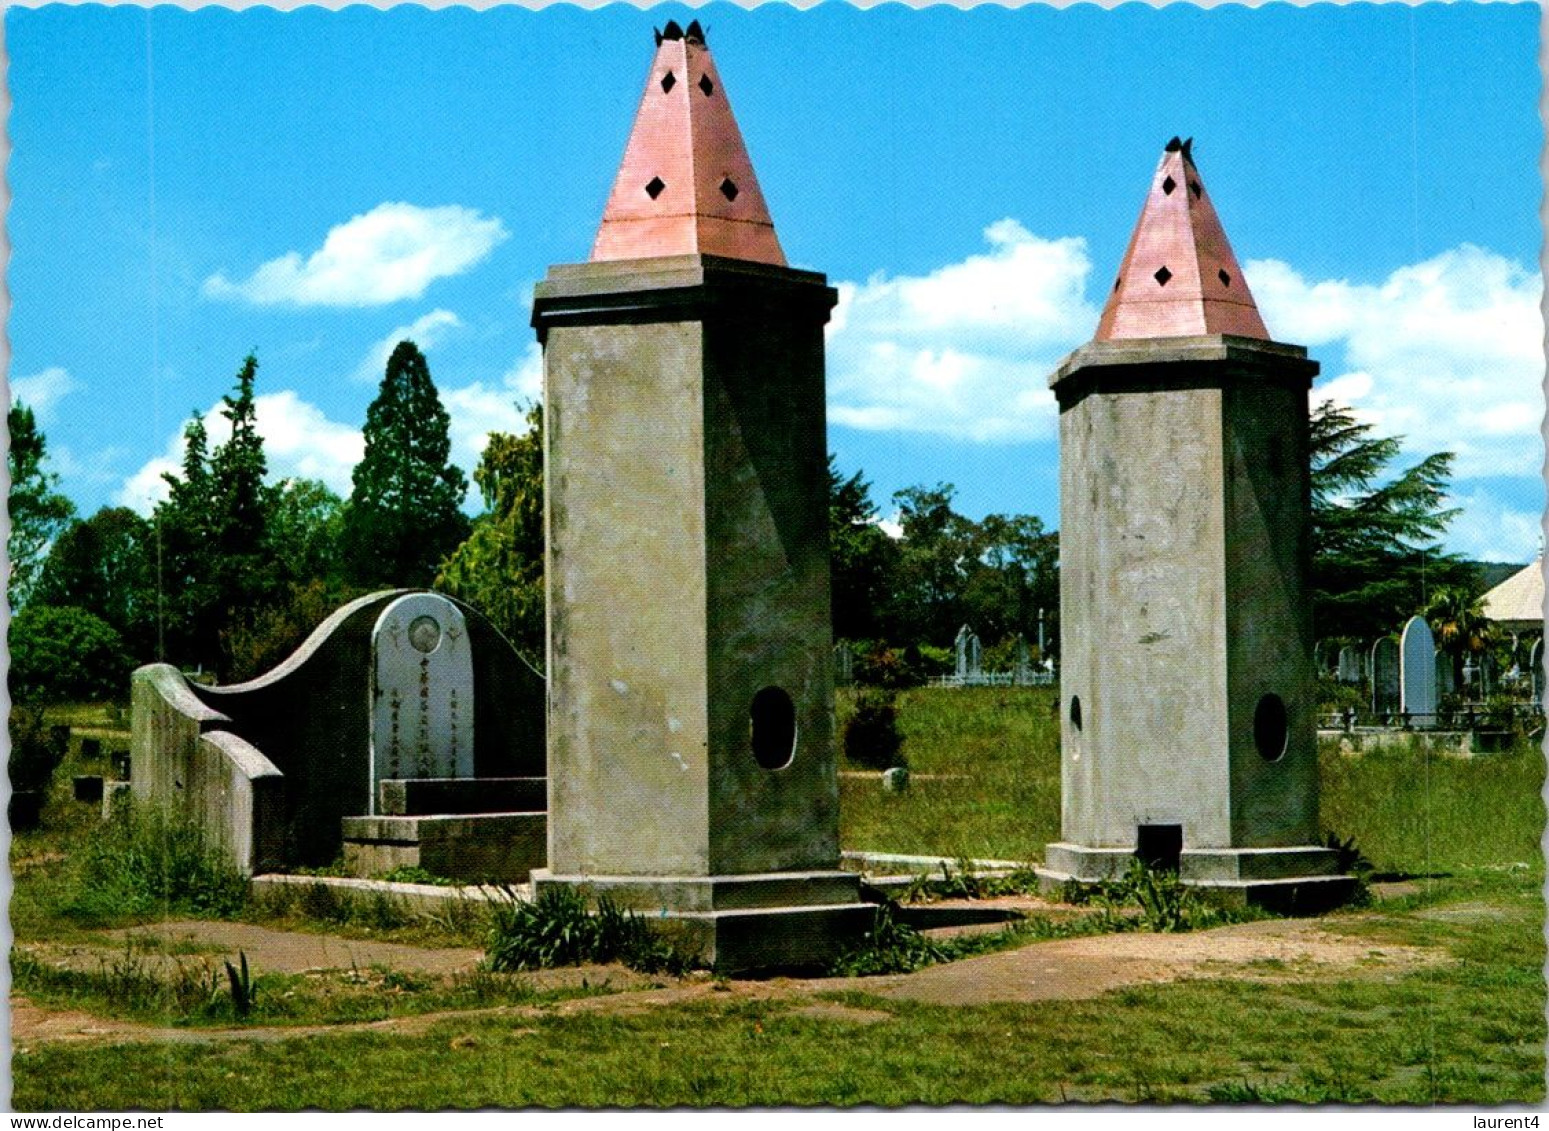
39	513
65	654
928	594
305	525
188	590
1375	551
862	558
1457	618
499	568
239	499
106	563
404	514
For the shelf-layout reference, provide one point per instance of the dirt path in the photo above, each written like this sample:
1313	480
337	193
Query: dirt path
1066	969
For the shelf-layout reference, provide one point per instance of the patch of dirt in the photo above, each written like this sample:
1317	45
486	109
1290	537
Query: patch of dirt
1089	967
285	952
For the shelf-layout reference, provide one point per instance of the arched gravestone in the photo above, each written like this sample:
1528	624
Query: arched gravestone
1446	677
1417	672
1385	676
1536	669
421	692
1349	665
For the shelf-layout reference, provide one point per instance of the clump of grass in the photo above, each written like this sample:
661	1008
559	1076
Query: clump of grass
1163	902
966	883
370	911
557	929
145	862
890	947
130	984
414	874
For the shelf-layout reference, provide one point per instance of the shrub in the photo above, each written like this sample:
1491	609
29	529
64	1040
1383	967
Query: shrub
871	736
556	929
146	862
881	666
890	947
65	653
34	753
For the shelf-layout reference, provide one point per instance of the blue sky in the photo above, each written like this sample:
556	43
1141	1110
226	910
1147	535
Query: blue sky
313	185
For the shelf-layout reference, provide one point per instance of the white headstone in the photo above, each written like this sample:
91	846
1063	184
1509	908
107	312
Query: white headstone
421	692
1349	665
1417	673
1385	676
964	634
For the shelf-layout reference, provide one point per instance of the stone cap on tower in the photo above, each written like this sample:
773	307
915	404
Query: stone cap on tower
1179	277
686	185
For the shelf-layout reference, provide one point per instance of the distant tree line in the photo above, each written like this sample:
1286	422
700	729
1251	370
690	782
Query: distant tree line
230	572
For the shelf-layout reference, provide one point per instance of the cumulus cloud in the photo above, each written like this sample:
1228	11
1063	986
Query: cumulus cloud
1491	530
43	390
479	409
426	332
966	350
299	441
393	252
1447	353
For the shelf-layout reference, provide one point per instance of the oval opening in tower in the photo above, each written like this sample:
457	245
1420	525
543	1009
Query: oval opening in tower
1271	728
774	728
1075	711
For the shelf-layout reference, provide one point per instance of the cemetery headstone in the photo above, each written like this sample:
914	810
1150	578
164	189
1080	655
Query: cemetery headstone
1349	664
1536	669
1417	673
844	664
1385	685
422	692
960	645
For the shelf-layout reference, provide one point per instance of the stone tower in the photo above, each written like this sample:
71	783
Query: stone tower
1187	683
691	760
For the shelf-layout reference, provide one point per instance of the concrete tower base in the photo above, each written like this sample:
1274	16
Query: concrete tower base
1300	879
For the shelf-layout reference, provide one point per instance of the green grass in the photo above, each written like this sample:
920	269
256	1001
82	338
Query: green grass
1467	1032
997	796
1414	810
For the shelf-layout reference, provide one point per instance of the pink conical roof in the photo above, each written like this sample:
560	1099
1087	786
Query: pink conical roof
686	185
1179	276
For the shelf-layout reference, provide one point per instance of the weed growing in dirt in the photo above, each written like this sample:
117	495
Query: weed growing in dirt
557	929
147	863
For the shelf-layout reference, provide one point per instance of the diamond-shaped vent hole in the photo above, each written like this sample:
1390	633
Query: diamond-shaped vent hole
1195	189
1162	275
1168	185
1226	280
669	80
728	189
655	188
706	85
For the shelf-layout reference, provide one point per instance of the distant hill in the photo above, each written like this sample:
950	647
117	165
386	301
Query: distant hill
1493	573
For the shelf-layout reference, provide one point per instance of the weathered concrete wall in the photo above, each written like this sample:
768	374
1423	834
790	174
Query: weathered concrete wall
1146	615
687	567
1184	547
769	619
628	745
311	718
238	797
1269	610
185	766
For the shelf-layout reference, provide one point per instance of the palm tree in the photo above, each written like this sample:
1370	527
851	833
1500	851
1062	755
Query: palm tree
1457	618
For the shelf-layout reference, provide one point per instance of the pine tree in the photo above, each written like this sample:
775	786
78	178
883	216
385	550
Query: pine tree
39	513
404	515
1376	558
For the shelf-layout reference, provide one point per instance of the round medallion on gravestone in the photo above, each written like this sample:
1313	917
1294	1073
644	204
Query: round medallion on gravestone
424	634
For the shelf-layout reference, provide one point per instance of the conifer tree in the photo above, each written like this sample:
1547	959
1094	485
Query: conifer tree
39	513
404	515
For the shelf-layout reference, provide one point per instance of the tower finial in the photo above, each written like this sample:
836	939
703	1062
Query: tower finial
686	184
1179	277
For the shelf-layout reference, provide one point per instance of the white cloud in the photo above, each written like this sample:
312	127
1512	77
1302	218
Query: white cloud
966	350
1490	530
479	409
1447	353
299	441
43	390
391	253
425	332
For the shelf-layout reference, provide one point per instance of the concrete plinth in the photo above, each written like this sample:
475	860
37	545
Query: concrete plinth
1300	879
486	847
742	923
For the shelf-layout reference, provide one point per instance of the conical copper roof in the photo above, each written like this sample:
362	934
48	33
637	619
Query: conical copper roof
686	185
1179	276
